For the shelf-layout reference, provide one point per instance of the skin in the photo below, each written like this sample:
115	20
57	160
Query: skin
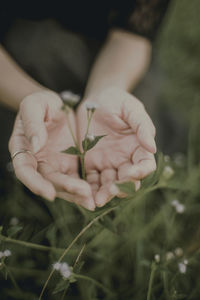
120	65
48	173
126	152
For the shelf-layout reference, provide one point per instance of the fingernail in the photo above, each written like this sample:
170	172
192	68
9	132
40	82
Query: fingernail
91	205
35	144
114	190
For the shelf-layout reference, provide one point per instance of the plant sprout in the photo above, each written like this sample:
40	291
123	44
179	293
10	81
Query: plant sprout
89	140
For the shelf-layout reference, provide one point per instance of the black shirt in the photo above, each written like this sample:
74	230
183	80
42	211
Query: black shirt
91	18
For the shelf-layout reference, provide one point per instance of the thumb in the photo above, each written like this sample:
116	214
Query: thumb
32	114
142	125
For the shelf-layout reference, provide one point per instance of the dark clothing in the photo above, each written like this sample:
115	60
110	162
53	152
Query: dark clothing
90	18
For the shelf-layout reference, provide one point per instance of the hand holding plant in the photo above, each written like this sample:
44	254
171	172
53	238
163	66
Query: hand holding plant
126	152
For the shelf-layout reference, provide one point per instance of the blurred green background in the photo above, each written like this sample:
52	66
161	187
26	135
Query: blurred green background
120	249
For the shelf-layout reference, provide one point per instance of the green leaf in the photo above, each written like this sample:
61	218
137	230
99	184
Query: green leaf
1	229
89	144
153	178
127	187
72	150
14	230
61	286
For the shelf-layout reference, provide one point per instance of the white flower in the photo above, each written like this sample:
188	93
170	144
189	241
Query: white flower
91	106
179	159
69	97
157	258
63	268
169	255
7	253
178	252
90	137
182	268
185	261
168	172
166	158
180	208
56	266
174	202
14	221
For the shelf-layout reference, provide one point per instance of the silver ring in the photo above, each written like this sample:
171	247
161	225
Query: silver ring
20	151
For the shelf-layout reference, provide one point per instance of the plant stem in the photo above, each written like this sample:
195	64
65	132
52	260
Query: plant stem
97	283
71	131
153	269
82	159
72	243
77	259
88	124
29	245
82	156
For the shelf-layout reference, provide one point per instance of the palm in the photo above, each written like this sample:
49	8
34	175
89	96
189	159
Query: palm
50	166
120	155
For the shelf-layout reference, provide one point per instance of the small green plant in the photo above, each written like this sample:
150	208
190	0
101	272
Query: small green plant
89	140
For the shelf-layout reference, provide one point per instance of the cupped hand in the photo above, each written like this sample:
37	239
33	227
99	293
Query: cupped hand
126	152
42	128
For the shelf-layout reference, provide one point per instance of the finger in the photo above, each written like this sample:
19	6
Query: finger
145	137
79	189
143	164
25	170
93	178
141	123
77	200
108	176
107	190
105	194
35	110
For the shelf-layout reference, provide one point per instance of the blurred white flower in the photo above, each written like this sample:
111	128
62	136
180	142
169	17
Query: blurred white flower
7	253
179	159
185	261
182	268
174	202
63	268
91	105
157	258
168	172
169	255
56	266
69	97
179	207
14	221
178	252
166	158
90	137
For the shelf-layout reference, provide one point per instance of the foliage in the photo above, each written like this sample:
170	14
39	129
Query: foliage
131	249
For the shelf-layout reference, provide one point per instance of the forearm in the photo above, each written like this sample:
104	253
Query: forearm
122	62
15	84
